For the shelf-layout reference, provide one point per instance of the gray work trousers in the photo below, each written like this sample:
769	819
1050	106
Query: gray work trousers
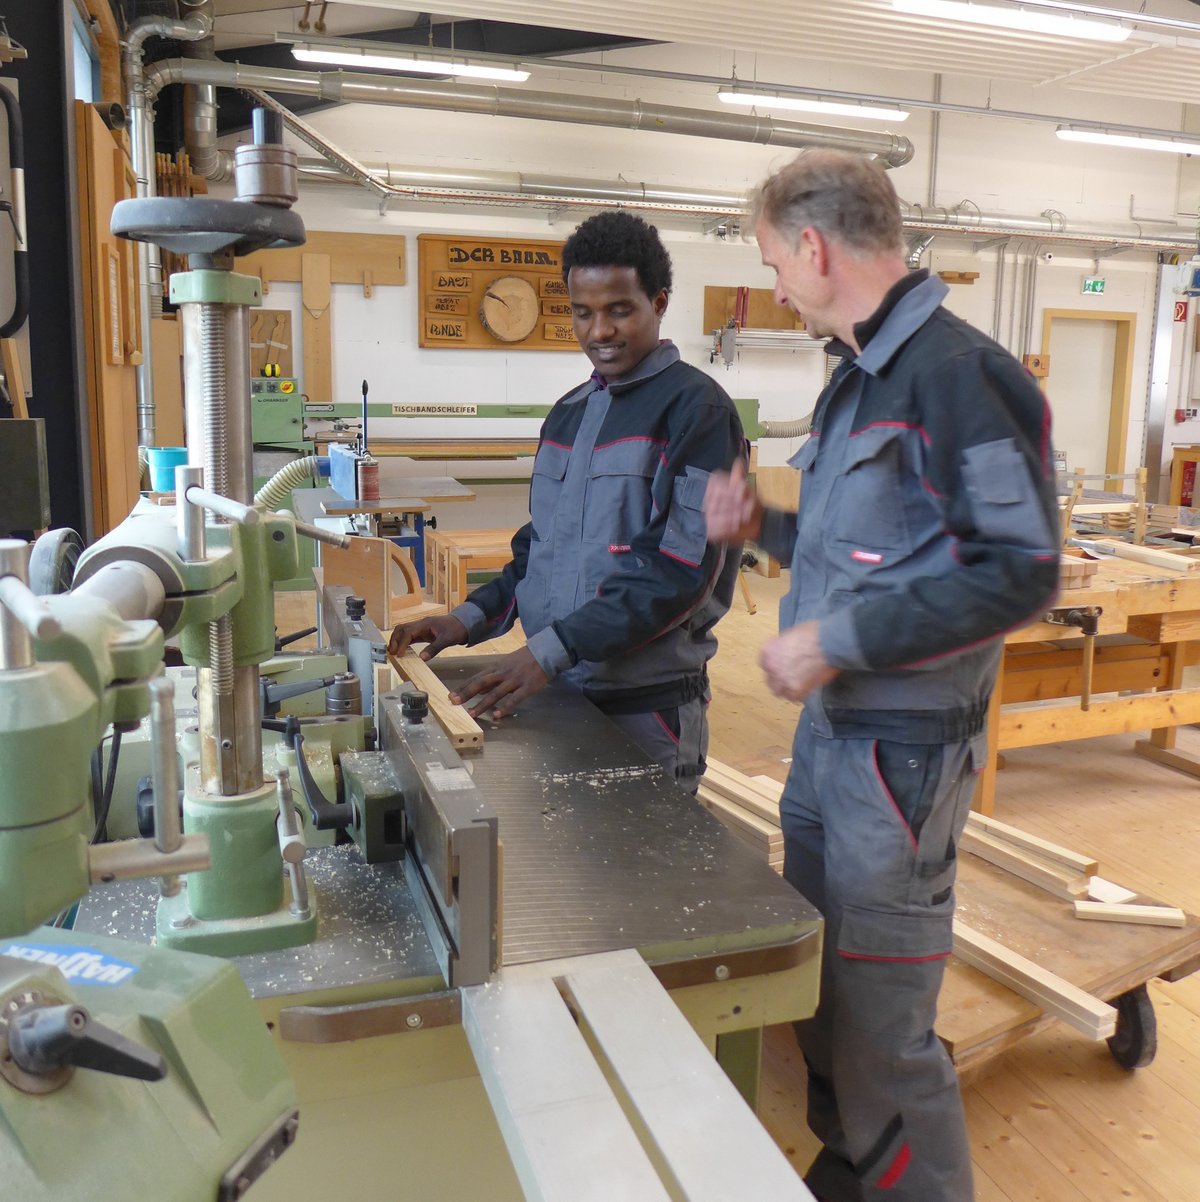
675	738
870	833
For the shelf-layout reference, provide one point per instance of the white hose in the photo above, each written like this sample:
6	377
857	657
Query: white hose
277	491
143	466
796	429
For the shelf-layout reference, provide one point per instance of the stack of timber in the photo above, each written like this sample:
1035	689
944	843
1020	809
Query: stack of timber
747	807
1057	870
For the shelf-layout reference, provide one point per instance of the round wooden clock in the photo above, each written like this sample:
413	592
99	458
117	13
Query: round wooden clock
509	309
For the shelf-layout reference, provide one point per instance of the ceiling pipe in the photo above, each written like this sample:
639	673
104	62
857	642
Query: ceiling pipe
965	218
343	87
141	144
466	185
200	112
788	89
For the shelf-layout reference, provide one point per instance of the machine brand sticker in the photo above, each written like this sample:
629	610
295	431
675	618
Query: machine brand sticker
84	964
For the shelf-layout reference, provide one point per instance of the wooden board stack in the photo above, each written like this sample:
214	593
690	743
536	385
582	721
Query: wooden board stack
747	806
1057	870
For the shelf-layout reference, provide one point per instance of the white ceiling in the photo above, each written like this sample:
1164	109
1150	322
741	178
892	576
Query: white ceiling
1151	64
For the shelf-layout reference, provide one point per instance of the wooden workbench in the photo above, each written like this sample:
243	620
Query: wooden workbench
1148	632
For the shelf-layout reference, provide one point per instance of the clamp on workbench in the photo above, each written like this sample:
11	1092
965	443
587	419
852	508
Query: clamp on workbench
1086	619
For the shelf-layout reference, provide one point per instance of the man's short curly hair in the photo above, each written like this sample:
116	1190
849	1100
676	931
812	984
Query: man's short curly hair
620	239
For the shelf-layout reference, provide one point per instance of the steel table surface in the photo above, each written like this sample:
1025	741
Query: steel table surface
602	851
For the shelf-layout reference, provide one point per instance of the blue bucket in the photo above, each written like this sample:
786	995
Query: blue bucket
163	462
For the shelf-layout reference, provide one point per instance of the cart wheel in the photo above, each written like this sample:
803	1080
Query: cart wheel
1136	1039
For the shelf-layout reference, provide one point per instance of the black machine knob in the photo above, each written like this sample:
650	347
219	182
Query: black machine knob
45	1039
356	608
414	706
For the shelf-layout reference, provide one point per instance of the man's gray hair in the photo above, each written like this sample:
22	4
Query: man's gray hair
847	197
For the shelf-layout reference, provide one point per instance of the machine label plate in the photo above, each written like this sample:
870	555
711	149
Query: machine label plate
82	964
434	409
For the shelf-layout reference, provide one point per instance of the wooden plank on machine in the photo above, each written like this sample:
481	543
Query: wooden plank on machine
1043	848
1052	993
1053	878
461	729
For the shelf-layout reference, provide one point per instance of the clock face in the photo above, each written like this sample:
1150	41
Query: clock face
509	309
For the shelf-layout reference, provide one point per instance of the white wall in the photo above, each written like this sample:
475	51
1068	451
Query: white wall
1012	167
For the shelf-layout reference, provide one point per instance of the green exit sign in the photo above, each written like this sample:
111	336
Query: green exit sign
1093	283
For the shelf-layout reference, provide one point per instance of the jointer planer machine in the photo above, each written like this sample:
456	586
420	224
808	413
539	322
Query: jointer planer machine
538	971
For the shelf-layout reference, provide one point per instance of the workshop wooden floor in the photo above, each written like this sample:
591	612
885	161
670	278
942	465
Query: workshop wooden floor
1055	1120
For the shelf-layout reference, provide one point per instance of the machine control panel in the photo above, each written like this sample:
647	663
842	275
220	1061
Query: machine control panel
274	390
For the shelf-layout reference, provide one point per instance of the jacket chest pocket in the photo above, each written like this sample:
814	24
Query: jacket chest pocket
866	507
618	501
545	487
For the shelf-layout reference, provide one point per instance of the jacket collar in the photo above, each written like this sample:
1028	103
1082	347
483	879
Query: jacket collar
907	315
658	360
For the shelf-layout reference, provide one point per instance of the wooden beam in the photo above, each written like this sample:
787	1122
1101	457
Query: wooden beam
461	729
1061	882
1155	916
743	790
1043	848
1036	724
764	833
1073	1005
1169	561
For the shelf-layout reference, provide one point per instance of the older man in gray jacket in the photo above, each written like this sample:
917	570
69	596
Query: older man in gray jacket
926	530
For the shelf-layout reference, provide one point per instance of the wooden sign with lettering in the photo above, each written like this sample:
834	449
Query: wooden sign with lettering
446	303
469	287
444	329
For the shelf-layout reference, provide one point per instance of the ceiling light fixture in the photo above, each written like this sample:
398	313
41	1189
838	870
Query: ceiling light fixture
386	56
1028	20
1104	137
805	104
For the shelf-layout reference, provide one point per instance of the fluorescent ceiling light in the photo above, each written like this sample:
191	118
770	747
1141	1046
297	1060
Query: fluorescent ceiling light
1070	133
806	104
1028	20
381	56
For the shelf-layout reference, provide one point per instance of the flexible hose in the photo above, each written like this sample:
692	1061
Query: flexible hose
796	429
276	493
143	465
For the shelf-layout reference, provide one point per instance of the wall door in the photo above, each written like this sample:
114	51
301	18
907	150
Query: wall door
1088	387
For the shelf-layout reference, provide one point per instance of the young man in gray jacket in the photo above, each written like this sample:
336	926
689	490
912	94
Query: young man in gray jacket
615	583
926	530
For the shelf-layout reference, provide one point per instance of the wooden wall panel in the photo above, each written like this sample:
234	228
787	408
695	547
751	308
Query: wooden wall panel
112	329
